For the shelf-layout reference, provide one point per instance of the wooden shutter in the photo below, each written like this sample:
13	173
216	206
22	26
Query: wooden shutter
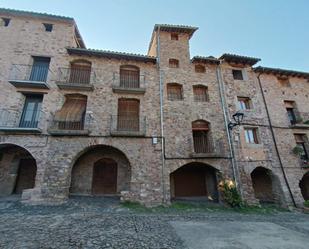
128	115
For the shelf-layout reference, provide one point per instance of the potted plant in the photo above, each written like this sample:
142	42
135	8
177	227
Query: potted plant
298	150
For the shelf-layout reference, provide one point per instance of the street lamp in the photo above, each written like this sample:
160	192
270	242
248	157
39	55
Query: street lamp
238	117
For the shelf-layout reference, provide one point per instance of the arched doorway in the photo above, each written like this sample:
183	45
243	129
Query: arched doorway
194	181
17	170
100	170
263	185
304	186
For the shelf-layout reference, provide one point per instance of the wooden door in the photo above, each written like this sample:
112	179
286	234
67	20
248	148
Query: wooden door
104	179
26	175
128	115
190	182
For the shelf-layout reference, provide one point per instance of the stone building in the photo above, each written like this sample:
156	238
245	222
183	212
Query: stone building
149	128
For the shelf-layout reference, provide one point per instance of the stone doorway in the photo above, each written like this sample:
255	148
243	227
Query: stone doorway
17	170
304	186
104	180
194	181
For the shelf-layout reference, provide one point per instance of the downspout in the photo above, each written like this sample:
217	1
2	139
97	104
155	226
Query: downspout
161	117
226	121
275	142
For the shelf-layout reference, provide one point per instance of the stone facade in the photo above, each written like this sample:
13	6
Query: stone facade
164	142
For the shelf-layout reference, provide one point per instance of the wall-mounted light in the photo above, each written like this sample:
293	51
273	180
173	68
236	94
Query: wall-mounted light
238	118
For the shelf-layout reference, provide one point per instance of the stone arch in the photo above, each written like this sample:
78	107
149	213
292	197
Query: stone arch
304	186
194	180
100	164
266	185
18	169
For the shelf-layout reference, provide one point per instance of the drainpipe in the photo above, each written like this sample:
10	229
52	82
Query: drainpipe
161	117
228	132
275	142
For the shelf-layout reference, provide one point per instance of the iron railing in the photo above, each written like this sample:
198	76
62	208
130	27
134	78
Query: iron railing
128	124
57	124
11	118
34	73
300	118
83	76
128	80
204	146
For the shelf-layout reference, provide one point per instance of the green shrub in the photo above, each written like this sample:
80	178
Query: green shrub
306	122
230	193
298	151
306	203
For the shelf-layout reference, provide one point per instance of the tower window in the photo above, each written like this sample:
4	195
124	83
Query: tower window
174	37
48	27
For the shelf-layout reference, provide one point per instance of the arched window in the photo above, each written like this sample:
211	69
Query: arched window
173	63
174	91
80	72
200	132
200	93
129	76
200	68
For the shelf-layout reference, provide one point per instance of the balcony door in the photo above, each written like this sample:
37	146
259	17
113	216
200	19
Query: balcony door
31	111
39	69
128	115
200	131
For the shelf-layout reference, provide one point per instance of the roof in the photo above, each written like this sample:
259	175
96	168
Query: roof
176	28
239	59
112	54
34	14
281	72
208	59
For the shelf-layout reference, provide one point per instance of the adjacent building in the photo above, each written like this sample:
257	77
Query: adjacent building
149	128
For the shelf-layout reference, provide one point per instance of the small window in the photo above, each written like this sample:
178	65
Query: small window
48	27
284	81
237	75
174	37
200	69
200	93
244	103
4	22
300	143
290	109
174	91
251	135
173	63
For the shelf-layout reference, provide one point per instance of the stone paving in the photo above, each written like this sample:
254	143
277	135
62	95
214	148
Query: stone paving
102	223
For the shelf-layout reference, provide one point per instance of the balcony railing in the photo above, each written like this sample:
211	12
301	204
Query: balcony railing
29	76
202	145
82	78
14	120
301	120
128	82
66	127
128	126
204	148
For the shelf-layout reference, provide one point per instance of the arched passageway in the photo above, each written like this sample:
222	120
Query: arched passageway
17	170
194	181
304	186
265	185
100	170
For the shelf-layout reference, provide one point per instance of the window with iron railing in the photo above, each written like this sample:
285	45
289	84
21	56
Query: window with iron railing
200	69
128	115
129	77
200	93
80	72
200	132
31	111
174	91
301	144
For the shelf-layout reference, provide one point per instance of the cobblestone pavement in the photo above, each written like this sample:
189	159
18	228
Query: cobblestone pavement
102	223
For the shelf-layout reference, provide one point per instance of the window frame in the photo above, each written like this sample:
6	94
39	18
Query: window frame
253	137
197	97
48	27
247	104
6	21
173	63
171	96
235	75
174	36
200	66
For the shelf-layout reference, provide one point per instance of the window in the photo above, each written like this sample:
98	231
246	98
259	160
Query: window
72	114
128	115
300	143
4	22
200	93
48	27
290	109
200	132
200	69
237	75
173	63
129	77
174	37
284	81
80	72
39	70
244	103
251	135
31	112
174	91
